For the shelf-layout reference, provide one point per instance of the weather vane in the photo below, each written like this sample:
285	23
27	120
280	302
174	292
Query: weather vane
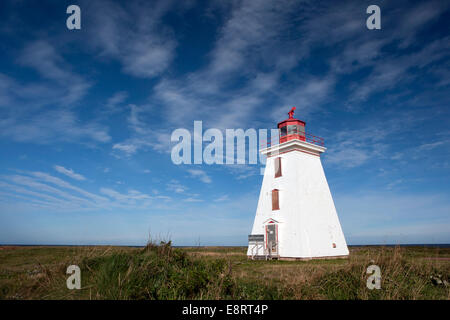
291	113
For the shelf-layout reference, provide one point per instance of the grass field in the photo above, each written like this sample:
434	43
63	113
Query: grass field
163	272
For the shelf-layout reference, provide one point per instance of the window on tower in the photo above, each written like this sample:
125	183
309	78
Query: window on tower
283	131
275	200
301	131
293	129
277	167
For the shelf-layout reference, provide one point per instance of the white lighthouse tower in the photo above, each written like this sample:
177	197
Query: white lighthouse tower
296	217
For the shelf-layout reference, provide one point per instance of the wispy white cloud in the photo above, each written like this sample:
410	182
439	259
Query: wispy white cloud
241	171
132	195
307	97
32	195
190	199
433	145
69	172
42	189
53	126
44	110
44	58
370	141
38	188
45	177
142	136
114	102
200	174
176	186
224	197
251	36
133	34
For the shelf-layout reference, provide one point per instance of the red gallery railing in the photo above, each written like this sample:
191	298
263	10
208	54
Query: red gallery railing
308	138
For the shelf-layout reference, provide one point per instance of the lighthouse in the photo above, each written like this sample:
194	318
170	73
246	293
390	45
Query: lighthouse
295	217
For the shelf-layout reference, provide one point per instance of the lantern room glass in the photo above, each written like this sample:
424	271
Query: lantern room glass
292	129
295	129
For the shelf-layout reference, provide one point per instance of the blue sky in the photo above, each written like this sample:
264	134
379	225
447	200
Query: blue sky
86	116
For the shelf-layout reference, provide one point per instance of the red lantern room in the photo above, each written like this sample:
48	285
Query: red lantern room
291	128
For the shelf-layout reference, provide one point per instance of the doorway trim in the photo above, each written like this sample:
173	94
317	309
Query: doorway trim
267	223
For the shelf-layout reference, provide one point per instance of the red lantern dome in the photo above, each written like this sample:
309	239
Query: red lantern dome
291	128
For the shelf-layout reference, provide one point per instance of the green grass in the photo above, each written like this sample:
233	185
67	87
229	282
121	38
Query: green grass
163	272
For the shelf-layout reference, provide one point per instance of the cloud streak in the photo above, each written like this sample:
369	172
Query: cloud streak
69	172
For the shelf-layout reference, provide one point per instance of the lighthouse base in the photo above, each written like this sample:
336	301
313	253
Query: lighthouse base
313	258
296	258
